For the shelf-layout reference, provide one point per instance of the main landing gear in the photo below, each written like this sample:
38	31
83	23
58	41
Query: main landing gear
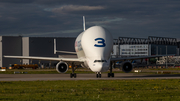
73	75
110	74
98	75
73	69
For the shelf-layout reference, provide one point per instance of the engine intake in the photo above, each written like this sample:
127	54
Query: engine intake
62	67
127	67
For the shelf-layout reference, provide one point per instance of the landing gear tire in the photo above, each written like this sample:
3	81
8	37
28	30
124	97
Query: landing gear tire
73	75
110	74
98	75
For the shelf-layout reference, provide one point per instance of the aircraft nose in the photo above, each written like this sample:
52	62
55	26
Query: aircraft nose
99	67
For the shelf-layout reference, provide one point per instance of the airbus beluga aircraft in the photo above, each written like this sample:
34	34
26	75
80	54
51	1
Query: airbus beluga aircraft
93	48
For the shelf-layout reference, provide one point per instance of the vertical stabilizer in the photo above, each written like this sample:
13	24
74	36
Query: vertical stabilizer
54	46
84	23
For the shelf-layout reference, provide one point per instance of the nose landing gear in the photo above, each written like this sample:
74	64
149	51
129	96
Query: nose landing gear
98	75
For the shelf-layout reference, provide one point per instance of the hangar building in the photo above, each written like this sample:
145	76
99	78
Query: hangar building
127	46
32	46
44	47
10	46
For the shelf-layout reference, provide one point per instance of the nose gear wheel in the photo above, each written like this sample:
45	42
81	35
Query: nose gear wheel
98	75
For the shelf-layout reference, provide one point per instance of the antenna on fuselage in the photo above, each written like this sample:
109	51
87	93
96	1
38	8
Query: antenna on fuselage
84	23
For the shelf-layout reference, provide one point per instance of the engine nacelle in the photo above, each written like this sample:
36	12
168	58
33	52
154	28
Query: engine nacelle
62	67
127	67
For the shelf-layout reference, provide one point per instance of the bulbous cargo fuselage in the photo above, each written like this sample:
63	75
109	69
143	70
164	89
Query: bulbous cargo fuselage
95	46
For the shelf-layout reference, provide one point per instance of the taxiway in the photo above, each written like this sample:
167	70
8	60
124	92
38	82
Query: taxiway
118	76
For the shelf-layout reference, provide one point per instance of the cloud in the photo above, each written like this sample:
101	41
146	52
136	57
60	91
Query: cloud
106	20
67	33
139	18
75	8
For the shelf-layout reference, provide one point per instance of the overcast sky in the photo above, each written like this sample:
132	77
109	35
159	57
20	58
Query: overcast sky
63	18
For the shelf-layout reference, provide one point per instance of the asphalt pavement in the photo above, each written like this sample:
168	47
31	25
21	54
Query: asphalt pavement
118	76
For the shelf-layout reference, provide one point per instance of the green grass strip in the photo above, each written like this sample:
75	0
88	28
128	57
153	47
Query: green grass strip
91	90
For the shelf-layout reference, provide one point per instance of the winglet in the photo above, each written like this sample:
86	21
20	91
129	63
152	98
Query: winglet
84	23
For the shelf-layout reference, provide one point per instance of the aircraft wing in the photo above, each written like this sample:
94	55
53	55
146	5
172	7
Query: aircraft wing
46	58
140	57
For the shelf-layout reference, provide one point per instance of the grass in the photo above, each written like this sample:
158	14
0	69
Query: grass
79	71
164	69
30	71
40	71
49	71
91	90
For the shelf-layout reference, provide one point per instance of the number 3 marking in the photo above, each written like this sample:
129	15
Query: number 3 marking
101	42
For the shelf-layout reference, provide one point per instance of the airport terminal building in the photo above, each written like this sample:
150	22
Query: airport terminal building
44	47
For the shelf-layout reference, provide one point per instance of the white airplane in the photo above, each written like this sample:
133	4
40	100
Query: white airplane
93	48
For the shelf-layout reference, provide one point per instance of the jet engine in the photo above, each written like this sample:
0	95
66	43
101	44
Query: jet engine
62	67
127	67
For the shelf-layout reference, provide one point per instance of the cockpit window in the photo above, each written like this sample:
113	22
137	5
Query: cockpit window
100	61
